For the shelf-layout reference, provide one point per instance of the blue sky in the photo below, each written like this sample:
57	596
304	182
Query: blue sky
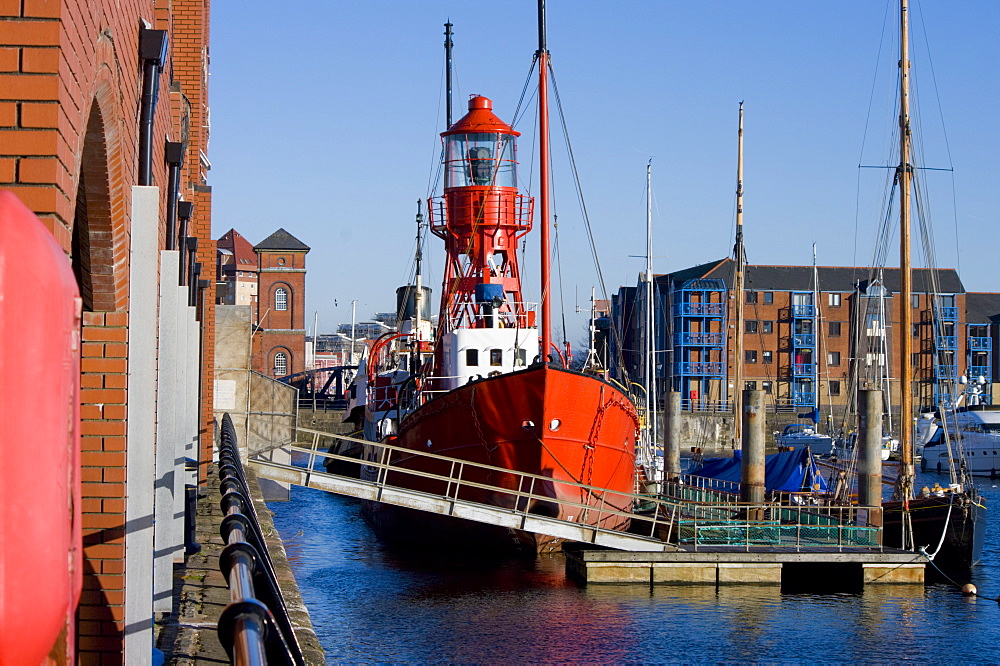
325	121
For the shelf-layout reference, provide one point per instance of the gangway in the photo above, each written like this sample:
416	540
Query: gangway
453	503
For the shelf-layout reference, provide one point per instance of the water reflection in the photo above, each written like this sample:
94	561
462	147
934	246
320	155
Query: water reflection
370	604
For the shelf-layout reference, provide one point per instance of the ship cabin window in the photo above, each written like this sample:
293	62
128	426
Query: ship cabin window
481	159
521	356
472	357
496	357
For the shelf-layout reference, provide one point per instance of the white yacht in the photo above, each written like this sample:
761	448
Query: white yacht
976	429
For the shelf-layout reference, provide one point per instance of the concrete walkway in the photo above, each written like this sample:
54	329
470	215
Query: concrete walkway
188	634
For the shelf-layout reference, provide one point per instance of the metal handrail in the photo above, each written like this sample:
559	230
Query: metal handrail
669	516
255	627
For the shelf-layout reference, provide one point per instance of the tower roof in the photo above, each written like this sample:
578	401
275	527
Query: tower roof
281	240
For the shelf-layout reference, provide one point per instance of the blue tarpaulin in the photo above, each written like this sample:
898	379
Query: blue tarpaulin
788	471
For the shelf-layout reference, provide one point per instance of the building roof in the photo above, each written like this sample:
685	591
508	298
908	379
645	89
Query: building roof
982	308
831	278
281	240
240	247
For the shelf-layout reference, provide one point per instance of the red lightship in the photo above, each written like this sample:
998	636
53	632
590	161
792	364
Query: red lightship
482	387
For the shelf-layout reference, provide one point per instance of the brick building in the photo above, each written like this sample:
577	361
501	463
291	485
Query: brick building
802	331
236	271
279	338
103	134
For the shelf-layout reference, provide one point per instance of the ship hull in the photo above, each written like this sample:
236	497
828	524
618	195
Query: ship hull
567	427
962	522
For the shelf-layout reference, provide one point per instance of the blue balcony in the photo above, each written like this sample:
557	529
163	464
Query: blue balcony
803	398
947	341
977	371
703	369
699	309
802	311
689	339
947	314
804	340
803	369
980	343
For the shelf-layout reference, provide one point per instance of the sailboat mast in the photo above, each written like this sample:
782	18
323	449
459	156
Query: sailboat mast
543	179
816	337
650	314
739	255
905	176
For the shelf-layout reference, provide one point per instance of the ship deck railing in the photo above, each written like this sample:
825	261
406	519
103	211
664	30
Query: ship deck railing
595	515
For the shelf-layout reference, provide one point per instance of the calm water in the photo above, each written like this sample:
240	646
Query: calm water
371	605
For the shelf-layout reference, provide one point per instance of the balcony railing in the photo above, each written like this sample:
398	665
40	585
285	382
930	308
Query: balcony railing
947	314
803	398
698	339
803	369
802	311
945	371
947	342
699	309
977	371
804	340
706	368
980	343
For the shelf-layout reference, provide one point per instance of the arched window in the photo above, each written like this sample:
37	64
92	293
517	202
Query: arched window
280	364
280	298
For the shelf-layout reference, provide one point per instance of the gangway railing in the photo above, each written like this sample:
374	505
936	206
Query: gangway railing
254	628
448	488
687	517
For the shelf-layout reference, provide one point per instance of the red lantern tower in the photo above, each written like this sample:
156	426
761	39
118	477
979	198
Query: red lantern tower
481	217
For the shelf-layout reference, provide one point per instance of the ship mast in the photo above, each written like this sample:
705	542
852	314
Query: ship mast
447	69
650	321
418	299
543	179
905	176
740	256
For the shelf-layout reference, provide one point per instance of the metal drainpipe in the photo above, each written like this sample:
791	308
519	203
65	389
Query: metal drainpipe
174	156
153	53
193	285
191	243
184	211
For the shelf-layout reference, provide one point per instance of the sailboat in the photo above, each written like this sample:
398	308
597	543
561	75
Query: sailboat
946	525
487	385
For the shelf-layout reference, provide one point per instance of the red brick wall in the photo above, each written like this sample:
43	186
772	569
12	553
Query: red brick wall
70	82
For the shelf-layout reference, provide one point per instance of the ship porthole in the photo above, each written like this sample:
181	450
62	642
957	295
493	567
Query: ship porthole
555	424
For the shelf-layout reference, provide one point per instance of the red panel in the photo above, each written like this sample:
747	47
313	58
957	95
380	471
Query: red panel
40	542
